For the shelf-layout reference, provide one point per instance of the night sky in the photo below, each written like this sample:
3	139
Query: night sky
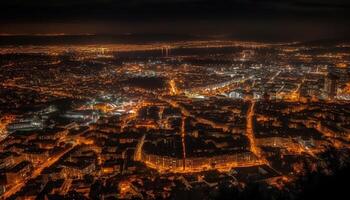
241	19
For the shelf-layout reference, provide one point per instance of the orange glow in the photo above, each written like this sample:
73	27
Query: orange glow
347	88
224	167
173	88
4	121
341	65
103	107
250	133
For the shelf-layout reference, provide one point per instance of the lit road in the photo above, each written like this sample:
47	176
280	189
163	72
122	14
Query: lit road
250	133
186	113
273	77
36	173
221	89
138	151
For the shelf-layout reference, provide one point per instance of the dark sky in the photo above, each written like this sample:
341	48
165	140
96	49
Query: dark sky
243	19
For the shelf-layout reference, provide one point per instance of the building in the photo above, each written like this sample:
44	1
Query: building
330	85
26	125
19	172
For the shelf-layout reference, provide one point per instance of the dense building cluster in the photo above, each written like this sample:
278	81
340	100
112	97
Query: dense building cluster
155	121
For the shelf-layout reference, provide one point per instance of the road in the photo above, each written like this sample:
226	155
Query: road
36	173
273	77
250	133
186	113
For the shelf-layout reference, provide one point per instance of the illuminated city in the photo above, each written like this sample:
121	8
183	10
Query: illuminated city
185	118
